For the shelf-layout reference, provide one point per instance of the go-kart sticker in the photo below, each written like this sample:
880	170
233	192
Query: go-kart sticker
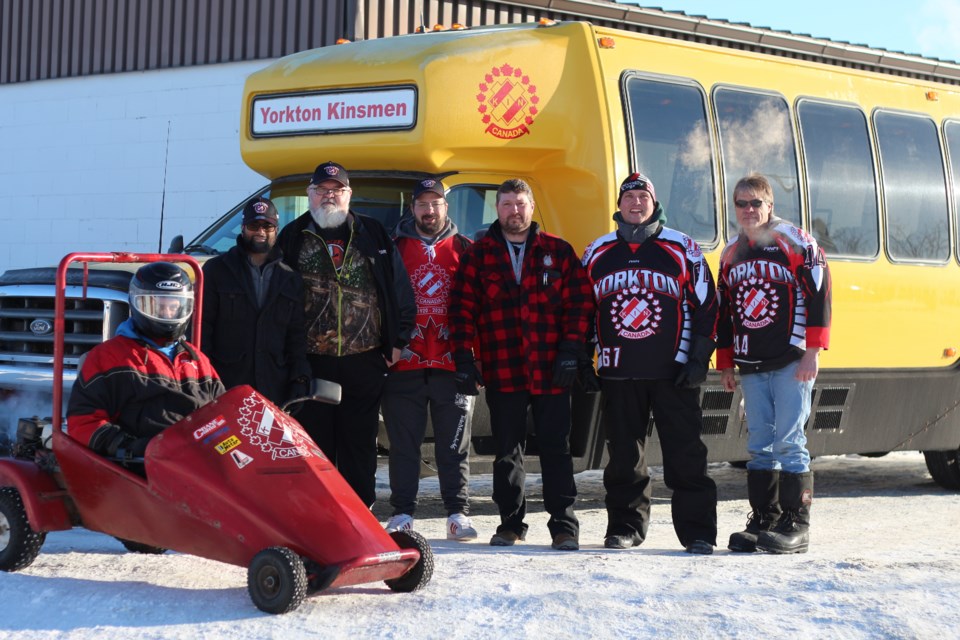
230	443
240	458
213	425
274	434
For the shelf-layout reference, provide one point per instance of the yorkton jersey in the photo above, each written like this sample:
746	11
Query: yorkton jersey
652	298
775	300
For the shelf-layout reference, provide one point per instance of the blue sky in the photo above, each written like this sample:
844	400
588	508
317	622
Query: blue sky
926	27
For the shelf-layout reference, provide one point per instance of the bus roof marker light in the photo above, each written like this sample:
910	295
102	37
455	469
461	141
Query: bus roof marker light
950	352
546	22
933	96
342	41
606	42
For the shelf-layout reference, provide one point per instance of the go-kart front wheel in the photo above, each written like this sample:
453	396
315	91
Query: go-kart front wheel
19	544
419	575
277	580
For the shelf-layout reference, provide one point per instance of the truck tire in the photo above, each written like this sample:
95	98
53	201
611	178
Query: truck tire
19	543
944	466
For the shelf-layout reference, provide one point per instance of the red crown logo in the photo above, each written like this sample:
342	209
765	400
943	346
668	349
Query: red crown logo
508	102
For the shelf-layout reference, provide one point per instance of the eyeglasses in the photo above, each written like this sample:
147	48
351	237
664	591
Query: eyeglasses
327	192
742	204
261	226
436	206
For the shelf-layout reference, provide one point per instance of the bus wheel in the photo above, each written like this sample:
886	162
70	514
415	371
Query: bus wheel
944	466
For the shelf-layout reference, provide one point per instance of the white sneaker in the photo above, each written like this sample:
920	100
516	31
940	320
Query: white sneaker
400	522
460	528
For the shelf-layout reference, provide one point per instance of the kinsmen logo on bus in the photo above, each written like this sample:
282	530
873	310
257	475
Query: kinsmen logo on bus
508	102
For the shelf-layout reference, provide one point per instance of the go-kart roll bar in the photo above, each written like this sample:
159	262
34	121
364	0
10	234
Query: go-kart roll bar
61	303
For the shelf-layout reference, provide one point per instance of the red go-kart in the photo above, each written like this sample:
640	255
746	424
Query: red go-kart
238	481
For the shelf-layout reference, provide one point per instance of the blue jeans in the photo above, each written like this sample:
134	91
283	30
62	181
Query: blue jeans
777	407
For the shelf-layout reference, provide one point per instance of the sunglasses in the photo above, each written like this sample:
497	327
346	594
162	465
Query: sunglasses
742	204
261	226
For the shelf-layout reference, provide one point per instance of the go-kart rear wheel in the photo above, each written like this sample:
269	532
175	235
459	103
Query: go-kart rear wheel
139	547
19	544
277	580
419	575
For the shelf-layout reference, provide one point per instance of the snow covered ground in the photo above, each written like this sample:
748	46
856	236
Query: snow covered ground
883	564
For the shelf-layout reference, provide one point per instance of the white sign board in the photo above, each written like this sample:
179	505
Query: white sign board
334	111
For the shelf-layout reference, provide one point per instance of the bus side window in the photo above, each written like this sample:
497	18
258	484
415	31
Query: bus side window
840	176
756	137
669	144
472	208
914	187
951	131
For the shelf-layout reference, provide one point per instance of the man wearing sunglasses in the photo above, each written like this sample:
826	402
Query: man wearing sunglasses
774	289
253	322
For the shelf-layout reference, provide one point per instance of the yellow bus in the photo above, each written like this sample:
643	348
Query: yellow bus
867	161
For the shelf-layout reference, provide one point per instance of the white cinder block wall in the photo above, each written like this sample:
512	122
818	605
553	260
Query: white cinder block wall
89	164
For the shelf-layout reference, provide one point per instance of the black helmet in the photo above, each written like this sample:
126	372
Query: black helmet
161	300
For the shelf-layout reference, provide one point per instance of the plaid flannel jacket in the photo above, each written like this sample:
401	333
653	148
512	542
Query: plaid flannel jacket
519	326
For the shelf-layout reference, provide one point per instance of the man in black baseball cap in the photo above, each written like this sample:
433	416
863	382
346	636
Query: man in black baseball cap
253	326
359	314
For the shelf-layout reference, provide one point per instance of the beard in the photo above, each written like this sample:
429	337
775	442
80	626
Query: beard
256	246
515	224
327	216
431	228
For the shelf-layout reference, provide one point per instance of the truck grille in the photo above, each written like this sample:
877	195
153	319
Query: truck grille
26	327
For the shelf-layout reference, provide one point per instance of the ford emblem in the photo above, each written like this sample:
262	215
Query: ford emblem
40	327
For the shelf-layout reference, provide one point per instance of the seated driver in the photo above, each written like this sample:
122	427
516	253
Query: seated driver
147	377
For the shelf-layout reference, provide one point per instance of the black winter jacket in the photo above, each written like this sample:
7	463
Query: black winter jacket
394	293
265	348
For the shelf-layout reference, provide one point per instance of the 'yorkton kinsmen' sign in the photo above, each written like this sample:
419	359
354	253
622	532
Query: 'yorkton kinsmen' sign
329	111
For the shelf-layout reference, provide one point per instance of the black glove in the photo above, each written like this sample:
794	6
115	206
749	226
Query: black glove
589	380
694	371
468	376
108	440
137	448
565	366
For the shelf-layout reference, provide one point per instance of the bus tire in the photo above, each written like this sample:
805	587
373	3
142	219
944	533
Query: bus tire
944	466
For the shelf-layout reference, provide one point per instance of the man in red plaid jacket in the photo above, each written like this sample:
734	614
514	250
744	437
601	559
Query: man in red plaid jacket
525	297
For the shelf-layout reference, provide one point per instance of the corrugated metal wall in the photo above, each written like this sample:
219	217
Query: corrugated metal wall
42	39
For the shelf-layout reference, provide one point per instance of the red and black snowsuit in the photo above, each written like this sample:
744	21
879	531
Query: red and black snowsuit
127	383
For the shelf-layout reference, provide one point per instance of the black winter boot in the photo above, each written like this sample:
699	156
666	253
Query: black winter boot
764	495
792	533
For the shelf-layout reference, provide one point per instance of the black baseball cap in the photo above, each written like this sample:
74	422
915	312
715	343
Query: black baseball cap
331	171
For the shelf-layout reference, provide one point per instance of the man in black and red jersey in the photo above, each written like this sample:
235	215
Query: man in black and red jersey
523	295
423	380
775	297
655	329
147	377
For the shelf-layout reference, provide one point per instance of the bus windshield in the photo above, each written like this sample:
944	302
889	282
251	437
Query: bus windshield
472	207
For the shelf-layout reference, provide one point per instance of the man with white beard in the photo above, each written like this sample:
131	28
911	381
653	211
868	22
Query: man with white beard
359	315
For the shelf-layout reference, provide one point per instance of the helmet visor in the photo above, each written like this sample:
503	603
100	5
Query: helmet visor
164	307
